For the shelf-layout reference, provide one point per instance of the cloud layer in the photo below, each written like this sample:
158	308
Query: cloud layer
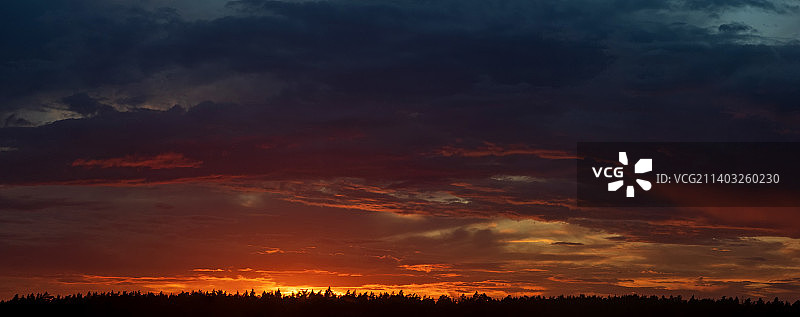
446	129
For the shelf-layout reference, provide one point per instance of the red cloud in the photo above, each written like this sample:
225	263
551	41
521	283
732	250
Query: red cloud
491	149
161	161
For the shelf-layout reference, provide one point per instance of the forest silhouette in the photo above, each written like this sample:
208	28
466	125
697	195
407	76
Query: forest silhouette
327	303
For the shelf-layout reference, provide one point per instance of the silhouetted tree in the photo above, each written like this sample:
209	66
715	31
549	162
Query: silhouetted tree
311	303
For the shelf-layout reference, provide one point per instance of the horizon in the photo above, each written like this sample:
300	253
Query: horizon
304	304
328	292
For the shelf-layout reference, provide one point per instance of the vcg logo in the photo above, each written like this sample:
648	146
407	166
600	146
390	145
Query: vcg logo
641	166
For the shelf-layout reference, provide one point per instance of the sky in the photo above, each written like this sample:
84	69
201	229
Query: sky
423	146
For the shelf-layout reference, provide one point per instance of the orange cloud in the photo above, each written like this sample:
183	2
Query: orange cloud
427	268
491	149
161	161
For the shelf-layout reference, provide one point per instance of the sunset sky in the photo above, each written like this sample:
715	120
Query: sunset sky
423	146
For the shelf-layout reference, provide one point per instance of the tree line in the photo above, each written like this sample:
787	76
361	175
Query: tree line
327	303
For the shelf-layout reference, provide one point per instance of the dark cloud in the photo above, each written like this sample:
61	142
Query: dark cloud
14	121
76	45
381	92
85	105
735	27
716	5
791	284
345	54
567	243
